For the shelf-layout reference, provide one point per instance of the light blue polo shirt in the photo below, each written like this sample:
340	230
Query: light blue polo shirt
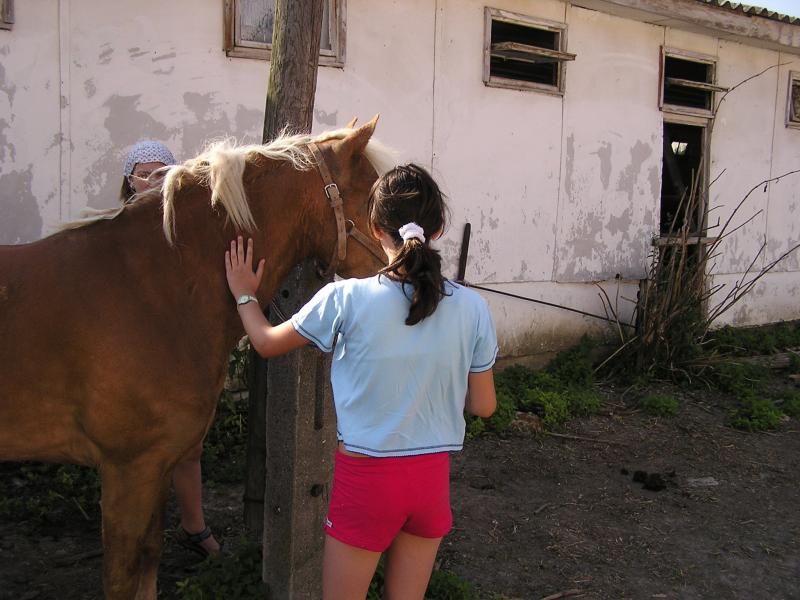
399	390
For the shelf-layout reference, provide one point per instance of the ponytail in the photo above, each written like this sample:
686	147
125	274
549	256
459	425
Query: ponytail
408	205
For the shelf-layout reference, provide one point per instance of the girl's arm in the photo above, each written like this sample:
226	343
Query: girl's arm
267	340
481	400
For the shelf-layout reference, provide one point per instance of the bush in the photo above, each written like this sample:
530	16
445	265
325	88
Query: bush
225	446
42	492
505	413
583	401
790	404
659	405
755	414
749	341
739	379
227	577
552	406
443	585
574	366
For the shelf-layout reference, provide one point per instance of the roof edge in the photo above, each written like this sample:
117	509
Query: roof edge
745	24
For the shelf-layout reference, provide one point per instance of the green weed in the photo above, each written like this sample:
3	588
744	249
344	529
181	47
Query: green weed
227	577
755	414
56	494
738	378
790	404
552	406
237	576
659	405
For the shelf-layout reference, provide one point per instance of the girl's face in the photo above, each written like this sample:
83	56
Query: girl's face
140	179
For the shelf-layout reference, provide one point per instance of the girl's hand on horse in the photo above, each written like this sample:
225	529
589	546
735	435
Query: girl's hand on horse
239	268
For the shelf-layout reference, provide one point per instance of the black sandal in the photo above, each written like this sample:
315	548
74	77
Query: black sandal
194	541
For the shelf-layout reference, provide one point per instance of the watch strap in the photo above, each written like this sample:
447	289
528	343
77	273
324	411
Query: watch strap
245	298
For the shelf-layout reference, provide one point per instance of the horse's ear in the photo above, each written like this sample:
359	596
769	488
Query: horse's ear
352	123
356	141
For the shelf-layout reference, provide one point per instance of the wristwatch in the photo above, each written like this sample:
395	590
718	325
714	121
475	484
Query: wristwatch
245	298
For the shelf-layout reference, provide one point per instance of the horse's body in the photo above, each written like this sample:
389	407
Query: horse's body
113	340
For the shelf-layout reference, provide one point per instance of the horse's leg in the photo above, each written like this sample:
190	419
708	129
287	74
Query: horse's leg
133	503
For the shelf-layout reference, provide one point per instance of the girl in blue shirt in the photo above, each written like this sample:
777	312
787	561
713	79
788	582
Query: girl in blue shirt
412	351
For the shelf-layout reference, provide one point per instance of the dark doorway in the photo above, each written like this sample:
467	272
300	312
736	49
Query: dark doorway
683	153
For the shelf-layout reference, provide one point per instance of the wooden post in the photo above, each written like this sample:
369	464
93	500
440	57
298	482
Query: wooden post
300	425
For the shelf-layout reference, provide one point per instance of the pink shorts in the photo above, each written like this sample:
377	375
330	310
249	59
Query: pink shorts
373	499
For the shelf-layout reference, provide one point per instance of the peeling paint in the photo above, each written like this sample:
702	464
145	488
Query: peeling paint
7	150
89	87
621	224
210	121
126	124
655	182
105	56
164	57
604	154
249	122
569	166
326	118
640	152
20	220
7	87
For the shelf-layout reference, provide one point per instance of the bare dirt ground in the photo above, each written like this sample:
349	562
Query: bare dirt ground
537	515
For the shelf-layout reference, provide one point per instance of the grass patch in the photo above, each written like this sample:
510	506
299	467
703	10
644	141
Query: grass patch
659	405
755	414
790	403
237	576
563	390
751	341
43	493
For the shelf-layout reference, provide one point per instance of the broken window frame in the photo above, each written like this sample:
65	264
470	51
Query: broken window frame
235	47
6	14
792	117
559	56
711	87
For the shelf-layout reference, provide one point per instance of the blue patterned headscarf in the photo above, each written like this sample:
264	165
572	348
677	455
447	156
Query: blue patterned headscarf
148	151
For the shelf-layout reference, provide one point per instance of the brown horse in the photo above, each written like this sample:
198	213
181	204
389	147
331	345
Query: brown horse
114	334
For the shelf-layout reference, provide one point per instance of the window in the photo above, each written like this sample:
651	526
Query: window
793	105
524	53
6	14
687	83
249	23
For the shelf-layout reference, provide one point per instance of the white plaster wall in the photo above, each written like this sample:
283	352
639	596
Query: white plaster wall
611	174
774	298
29	123
561	191
528	328
783	214
496	151
741	152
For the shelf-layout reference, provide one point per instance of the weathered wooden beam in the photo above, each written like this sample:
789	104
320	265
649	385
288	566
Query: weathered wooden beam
299	430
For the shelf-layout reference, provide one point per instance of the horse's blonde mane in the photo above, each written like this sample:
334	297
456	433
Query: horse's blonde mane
221	166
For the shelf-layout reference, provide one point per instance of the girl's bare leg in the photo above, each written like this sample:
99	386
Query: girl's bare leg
346	570
409	563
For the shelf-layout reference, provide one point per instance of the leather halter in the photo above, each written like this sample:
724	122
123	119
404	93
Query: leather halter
345	228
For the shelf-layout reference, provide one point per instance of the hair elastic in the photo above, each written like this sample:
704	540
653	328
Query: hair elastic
412	230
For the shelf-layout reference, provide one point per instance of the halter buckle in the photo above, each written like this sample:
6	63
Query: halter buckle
329	187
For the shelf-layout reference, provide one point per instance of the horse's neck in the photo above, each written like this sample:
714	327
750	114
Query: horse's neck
201	237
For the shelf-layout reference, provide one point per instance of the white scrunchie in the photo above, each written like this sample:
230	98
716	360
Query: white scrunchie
412	230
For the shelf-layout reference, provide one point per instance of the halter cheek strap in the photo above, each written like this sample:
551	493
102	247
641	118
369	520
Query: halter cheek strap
344	227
